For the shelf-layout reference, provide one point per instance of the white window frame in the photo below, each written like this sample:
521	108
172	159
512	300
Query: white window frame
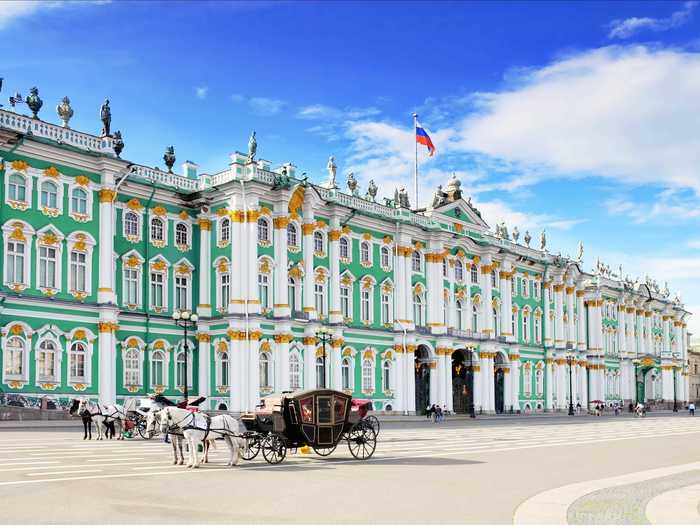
264	290
28	188
526	326
59	197
138	269
266	357
459	271
538	329
366	307
11	280
295	371
75	268
165	282
368	382
416	261
387	375
24	359
166	368
525	287
125	233
221	301
220	369
320	298
386	300
474	274
58	246
346	364
178	288
55	376
72	354
163	241
366	253
319	241
181	353
346	300
263	240
293	294
223	232
348	243
418	309
128	371
188	236
385	251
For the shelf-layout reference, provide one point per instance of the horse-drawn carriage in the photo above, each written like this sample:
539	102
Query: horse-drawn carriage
319	419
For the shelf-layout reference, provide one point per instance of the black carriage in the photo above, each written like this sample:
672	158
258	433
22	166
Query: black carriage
319	419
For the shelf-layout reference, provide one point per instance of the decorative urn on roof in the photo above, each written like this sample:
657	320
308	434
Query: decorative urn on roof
169	158
454	188
118	144
64	111
34	102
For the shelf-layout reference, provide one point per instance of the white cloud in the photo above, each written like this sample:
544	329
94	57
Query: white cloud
323	112
201	92
625	113
668	207
260	105
11	10
693	244
629	26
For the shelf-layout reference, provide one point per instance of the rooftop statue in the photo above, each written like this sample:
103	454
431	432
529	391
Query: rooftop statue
579	255
118	145
332	168
352	184
282	181
543	241
106	118
64	111
401	198
527	238
252	147
372	191
516	235
169	158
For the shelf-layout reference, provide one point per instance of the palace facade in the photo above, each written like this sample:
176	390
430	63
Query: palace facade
98	253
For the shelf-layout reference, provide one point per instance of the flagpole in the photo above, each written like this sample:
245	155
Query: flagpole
415	166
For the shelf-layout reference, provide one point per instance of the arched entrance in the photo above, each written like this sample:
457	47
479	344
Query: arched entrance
422	372
462	381
499	380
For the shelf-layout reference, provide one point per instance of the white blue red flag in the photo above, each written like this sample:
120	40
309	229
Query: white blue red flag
422	137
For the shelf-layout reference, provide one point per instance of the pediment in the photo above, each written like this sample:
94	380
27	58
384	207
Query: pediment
462	212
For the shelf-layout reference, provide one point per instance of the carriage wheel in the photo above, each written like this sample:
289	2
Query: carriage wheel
253	448
325	451
362	440
273	449
374	423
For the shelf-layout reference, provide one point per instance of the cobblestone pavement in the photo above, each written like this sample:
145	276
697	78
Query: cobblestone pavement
476	473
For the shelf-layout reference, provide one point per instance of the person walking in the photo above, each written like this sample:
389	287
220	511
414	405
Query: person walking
691	409
428	411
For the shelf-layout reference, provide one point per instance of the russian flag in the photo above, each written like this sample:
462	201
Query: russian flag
423	138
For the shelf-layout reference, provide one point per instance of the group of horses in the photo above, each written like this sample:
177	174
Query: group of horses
184	426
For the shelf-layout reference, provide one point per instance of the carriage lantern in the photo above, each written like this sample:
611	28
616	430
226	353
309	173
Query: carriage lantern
186	320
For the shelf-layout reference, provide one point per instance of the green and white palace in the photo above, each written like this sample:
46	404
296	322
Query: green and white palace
98	253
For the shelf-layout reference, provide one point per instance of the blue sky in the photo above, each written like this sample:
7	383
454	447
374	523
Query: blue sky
581	118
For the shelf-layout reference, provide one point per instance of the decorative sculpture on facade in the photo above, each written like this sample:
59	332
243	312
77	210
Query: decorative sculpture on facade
453	189
579	254
252	147
64	111
516	234
282	181
439	198
371	191
401	198
118	144
169	158
527	238
332	168
106	118
352	184
543	241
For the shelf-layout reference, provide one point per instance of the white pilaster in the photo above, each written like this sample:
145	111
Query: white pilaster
204	307
106	280
281	306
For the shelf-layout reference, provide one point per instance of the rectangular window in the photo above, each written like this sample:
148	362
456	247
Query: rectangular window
386	309
15	262
345	301
47	267
46	364
365	306
263	290
181	293
319	295
78	272
225	290
131	286
156	290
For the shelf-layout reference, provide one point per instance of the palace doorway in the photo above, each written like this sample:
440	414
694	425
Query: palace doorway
462	381
422	377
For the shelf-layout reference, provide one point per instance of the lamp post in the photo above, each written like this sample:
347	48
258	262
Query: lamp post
570	361
324	335
185	319
472	411
635	362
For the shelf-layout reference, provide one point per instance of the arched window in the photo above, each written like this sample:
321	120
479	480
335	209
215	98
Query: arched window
14	357
526	287
539	380
459	270
78	201
49	195
265	370
418	310
131	224
76	365
263	230
224	363
180	370
46	361
460	313
158	369
294	372
364	252
346	373
292	294
17	188
157	231
292	239
475	318
181	234
224	230
132	367
385	257
367	375
319	373
386	375
526	326
527	380
318	242
344	248
474	272
416	261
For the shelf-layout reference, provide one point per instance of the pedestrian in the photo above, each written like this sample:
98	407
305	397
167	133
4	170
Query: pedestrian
691	409
578	407
617	409
438	414
433	410
428	411
444	411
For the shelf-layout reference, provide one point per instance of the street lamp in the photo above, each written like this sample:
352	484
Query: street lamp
472	411
325	335
570	361
186	320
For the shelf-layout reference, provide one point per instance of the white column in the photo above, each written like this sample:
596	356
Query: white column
281	350
335	315
548	401
667	382
308	249
107	356
400	283
570	325
515	378
478	387
507	390
249	230
204	307
559	335
410	376
452	302
335	379
237	257
310	345
434	384
204	356
562	382
235	354
666	319
581	325
486	307
281	307
106	286
252	352
548	336
584	387
505	276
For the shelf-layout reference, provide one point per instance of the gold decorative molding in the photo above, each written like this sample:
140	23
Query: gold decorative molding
134	204
82	180
107	195
19	165
160	211
280	222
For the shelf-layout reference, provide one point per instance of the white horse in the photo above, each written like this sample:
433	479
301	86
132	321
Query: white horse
198	427
103	414
176	439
